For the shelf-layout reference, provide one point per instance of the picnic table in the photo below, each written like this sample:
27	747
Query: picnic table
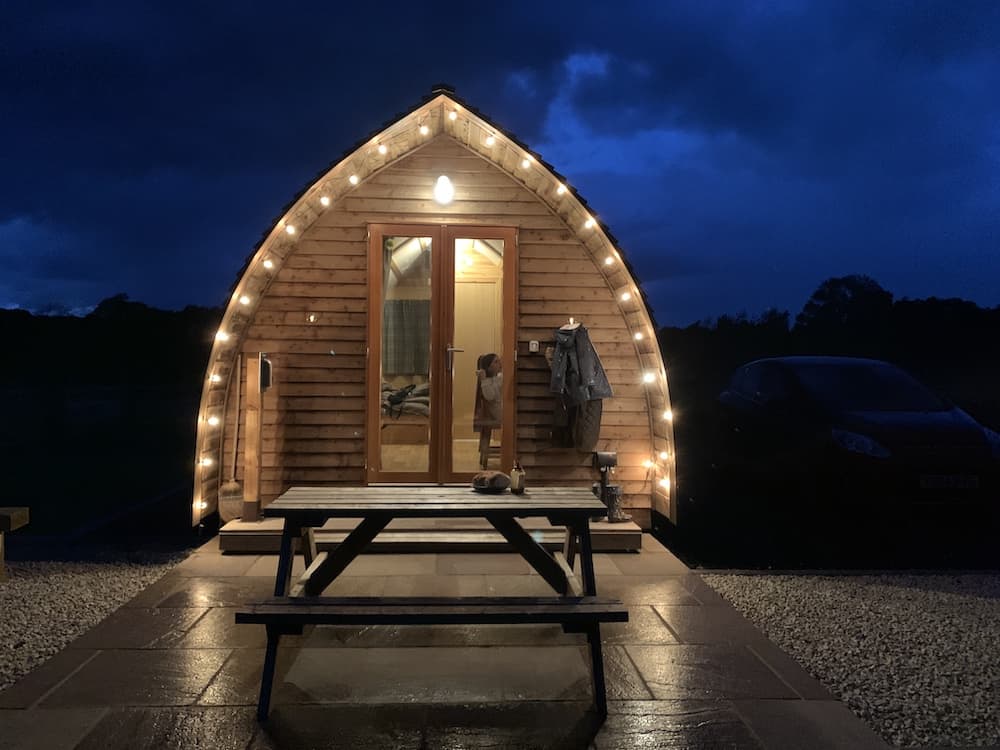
575	605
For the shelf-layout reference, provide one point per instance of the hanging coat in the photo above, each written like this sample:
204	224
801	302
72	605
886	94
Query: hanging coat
580	384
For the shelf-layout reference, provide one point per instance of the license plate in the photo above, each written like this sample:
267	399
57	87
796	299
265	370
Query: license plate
949	482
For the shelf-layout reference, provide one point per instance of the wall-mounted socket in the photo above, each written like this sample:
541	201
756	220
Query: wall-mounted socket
533	347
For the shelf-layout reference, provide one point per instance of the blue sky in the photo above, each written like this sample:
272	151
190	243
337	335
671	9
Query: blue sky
741	153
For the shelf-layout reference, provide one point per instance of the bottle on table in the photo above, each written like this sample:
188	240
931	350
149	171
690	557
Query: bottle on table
517	478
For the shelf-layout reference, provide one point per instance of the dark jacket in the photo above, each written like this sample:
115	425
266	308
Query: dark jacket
580	383
577	371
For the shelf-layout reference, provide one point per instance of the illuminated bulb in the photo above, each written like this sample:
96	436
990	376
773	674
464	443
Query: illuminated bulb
490	140
424	130
244	300
215	377
324	200
638	336
626	296
206	461
214	421
668	415
453	115
664	455
609	261
647	464
382	149
665	483
526	162
311	317
561	189
353	179
648	377
588	223
269	264
444	191
290	229
221	336
201	506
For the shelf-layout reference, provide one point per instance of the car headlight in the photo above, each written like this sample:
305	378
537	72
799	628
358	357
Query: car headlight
993	438
857	443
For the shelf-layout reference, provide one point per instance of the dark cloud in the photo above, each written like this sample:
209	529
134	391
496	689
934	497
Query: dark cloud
740	152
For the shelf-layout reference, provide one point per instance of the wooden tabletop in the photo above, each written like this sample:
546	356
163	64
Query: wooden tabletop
421	501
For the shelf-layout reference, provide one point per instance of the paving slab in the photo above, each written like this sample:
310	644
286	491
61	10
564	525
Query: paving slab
51	729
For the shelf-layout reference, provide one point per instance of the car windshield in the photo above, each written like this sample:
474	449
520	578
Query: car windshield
866	387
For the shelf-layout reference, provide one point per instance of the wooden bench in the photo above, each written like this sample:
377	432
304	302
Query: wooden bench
288	615
10	519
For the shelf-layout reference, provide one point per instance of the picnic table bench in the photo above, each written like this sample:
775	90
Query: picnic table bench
10	519
575	606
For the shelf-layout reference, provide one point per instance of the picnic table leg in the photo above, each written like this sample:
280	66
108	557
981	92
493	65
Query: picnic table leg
267	676
286	554
582	529
570	546
597	668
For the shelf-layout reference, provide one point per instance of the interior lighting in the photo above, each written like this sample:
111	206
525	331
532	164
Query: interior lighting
268	264
221	336
424	130
324	200
648	377
214	421
665	483
626	296
290	229
444	191
244	300
490	140
353	179
383	149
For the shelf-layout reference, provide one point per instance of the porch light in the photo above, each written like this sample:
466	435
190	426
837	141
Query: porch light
490	140
353	179
324	200
289	229
214	421
221	336
268	264
383	149
244	300
444	191
648	376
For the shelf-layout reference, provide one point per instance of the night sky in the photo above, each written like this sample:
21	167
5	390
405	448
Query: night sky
740	152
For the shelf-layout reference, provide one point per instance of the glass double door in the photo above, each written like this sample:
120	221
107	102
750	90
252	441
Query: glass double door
441	352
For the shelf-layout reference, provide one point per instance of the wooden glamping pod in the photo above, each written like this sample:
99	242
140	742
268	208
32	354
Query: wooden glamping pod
438	240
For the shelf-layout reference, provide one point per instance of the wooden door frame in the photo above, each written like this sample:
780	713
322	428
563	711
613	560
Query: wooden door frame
442	326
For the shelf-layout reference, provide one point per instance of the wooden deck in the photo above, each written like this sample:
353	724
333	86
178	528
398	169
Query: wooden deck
426	535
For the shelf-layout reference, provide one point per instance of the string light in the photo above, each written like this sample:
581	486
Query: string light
665	483
609	261
215	377
589	222
638	336
268	264
206	461
526	162
324	200
648	377
244	300
560	189
221	336
626	296
202	505
647	464
383	149
664	455
424	130
353	179
214	421
290	229
453	115
490	141
668	415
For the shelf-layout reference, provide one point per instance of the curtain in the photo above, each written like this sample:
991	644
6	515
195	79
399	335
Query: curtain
406	337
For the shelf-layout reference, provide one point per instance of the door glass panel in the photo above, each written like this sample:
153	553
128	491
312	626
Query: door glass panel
404	437
477	405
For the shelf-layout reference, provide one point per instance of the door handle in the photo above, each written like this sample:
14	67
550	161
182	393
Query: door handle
450	353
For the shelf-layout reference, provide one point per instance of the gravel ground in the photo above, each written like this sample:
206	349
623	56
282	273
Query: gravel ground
917	656
44	605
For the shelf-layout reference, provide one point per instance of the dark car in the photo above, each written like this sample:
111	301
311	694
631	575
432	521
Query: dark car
840	431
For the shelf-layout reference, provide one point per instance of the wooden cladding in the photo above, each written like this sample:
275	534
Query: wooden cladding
312	321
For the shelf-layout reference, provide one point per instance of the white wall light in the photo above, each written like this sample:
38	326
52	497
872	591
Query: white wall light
444	191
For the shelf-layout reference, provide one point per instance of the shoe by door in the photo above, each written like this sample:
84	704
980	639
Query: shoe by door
441	358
